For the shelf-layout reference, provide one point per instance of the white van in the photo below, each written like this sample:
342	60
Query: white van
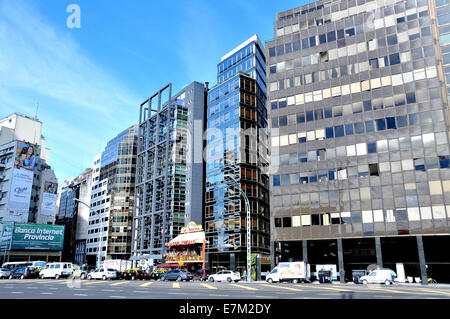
379	276
56	270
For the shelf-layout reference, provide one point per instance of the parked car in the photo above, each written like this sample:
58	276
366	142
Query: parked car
56	270
177	274
225	275
103	274
82	271
201	275
379	276
133	274
4	272
23	273
157	273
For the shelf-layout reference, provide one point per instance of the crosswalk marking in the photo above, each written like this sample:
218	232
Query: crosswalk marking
240	286
287	288
208	286
119	283
390	290
176	285
329	288
146	284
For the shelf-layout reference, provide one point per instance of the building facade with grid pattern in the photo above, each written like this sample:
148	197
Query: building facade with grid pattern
359	133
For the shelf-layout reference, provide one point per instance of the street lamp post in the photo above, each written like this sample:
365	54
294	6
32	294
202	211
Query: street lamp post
247	208
99	240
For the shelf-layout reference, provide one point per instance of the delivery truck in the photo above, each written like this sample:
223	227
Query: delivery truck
290	271
117	264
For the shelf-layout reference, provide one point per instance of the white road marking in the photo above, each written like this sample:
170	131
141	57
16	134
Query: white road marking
122	297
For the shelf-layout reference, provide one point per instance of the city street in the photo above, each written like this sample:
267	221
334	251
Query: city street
123	289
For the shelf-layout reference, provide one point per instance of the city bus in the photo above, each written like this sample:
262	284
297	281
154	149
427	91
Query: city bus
14	264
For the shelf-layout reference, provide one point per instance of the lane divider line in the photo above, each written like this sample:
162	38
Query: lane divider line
146	284
176	285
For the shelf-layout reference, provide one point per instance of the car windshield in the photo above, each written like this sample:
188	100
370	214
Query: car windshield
109	269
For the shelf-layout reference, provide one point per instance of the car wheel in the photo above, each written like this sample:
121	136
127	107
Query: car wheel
104	277
41	276
163	278
229	279
387	282
89	277
179	278
22	277
364	282
133	277
10	277
211	279
270	280
83	276
295	281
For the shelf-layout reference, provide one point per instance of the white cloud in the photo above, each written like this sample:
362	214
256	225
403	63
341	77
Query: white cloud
81	101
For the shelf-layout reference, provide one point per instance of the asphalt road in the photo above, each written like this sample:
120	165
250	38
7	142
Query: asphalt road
125	289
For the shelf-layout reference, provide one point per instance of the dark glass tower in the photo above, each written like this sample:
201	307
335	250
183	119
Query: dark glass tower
237	150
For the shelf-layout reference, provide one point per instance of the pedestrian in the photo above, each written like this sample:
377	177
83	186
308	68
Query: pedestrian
393	276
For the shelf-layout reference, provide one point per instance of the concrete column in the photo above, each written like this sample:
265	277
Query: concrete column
423	267
378	252
305	251
258	267
233	261
341	261
273	255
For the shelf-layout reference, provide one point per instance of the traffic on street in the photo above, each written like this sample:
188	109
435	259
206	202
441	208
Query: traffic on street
151	289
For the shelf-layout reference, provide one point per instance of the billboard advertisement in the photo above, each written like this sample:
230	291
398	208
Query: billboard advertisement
49	198
37	237
21	183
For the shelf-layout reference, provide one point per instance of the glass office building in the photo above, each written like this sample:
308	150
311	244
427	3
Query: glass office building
359	135
170	169
237	149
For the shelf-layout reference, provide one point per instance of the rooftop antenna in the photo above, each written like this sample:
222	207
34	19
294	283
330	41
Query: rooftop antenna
37	108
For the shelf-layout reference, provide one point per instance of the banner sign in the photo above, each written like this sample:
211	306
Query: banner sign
6	230
37	237
49	198
21	183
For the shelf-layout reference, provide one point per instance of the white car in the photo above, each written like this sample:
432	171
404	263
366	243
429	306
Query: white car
225	275
103	274
379	276
4	273
56	270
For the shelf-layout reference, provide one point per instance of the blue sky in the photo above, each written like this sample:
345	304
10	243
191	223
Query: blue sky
89	82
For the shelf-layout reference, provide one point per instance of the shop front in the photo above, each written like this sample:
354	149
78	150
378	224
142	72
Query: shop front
187	250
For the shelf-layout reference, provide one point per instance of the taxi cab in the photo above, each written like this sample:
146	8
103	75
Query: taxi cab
156	274
134	274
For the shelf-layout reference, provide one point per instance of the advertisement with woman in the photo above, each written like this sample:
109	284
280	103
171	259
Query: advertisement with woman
49	199
25	158
21	183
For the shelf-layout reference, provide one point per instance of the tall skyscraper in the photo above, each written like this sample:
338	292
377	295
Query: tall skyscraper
237	152
359	135
170	169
